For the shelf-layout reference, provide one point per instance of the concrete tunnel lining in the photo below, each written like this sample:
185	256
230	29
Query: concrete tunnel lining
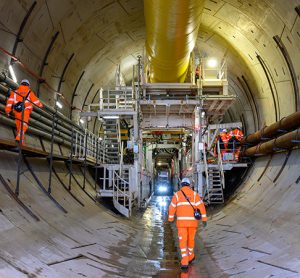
254	235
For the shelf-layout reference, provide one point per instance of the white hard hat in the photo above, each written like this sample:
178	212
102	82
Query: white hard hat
185	181
224	130
25	81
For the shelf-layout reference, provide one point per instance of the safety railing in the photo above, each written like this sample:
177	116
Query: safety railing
210	68
116	99
48	123
231	153
220	164
122	196
205	188
87	145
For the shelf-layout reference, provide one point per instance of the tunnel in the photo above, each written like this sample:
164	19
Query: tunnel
129	110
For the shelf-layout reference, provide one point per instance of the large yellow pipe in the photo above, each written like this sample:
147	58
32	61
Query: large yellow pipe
171	33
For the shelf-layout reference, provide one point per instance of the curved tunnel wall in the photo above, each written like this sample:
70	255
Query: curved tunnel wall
268	200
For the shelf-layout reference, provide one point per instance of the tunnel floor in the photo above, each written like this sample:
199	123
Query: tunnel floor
76	237
159	245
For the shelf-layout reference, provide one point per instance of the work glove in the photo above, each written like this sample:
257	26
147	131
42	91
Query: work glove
204	224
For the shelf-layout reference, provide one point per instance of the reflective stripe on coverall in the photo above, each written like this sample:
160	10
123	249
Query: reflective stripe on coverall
186	222
18	96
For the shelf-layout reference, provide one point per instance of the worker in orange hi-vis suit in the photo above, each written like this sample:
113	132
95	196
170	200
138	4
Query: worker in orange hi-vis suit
183	204
236	135
22	98
224	142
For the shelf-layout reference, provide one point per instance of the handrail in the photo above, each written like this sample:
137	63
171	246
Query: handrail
120	178
110	99
121	157
220	164
43	119
125	193
206	175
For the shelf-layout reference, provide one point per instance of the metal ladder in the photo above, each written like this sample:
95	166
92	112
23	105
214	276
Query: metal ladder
215	181
215	185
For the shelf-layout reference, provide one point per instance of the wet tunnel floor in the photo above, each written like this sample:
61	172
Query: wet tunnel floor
160	244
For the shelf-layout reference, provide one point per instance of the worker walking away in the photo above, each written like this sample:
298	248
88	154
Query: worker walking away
189	208
21	102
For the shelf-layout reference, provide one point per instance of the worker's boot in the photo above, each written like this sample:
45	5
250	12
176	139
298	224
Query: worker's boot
184	262
22	141
191	257
184	268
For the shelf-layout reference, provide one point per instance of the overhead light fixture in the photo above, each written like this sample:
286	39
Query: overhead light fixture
111	117
59	105
212	63
82	121
12	73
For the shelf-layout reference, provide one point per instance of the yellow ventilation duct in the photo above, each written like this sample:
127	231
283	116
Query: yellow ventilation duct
171	33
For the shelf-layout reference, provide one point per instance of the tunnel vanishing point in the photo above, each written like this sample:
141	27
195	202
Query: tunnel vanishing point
138	95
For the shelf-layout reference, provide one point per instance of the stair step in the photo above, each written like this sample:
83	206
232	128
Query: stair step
215	190
111	132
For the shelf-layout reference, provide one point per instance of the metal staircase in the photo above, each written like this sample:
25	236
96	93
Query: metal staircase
112	140
215	185
118	182
215	182
122	196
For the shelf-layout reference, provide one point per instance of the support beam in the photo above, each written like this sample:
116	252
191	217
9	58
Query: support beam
291	68
22	26
74	94
45	63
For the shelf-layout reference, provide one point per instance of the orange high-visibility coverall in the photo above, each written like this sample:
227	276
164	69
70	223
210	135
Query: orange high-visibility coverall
224	137
14	98
238	135
186	222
